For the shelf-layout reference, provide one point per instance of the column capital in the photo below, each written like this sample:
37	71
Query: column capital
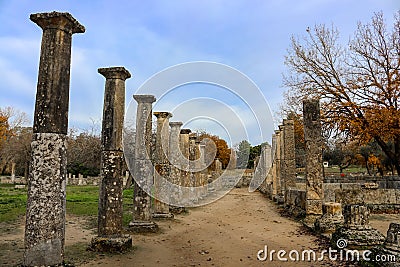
144	98
186	131
162	114
114	73
57	20
176	124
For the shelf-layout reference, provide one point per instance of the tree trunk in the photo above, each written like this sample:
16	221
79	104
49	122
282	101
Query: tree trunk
394	156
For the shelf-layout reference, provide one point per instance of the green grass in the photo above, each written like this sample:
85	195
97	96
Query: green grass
12	203
81	201
351	169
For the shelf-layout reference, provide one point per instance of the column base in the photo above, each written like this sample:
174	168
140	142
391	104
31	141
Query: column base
310	219
328	223
358	238
143	227
111	244
163	216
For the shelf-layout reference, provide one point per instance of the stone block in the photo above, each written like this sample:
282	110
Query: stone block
111	244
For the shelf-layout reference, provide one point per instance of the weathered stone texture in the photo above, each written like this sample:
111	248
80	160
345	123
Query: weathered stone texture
114	107
162	168
314	167
356	229
143	166
332	218
45	215
52	95
110	194
174	156
289	158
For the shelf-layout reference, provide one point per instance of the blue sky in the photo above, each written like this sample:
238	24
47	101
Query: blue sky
149	36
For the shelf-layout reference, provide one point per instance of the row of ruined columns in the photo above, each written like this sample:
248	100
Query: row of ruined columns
281	177
352	223
178	157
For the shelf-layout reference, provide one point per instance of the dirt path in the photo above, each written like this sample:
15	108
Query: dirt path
228	232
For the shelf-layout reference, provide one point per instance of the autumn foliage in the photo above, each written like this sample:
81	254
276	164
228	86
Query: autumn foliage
357	84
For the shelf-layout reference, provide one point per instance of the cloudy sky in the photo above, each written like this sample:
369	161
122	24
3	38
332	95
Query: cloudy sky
250	37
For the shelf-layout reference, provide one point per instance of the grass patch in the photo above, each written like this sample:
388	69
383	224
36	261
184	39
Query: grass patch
81	201
12	203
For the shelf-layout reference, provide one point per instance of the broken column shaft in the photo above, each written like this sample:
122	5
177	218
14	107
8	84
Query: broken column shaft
45	213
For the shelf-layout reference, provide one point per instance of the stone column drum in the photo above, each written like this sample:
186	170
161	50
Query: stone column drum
314	167
110	237
45	212
143	167
161	209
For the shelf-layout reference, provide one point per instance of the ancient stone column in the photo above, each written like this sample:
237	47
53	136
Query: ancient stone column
192	166
314	167
278	168
110	237
174	158
45	213
185	174
12	172
143	167
289	154
161	209
198	174
204	171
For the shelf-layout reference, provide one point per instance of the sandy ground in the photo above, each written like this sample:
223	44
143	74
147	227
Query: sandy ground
228	232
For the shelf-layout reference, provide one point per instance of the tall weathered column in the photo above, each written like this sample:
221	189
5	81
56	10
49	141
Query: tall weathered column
204	171
161	209
185	174
192	166
314	167
174	156
198	166
109	220
143	167
289	160
278	167
45	213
